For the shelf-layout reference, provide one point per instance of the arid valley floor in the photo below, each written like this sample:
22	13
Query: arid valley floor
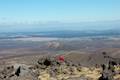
36	58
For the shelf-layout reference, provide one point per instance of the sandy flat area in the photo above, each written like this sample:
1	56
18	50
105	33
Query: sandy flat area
36	39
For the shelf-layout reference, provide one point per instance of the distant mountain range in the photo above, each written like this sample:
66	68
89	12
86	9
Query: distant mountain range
61	34
61	30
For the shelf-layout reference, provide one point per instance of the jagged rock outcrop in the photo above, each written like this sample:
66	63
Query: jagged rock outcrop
52	68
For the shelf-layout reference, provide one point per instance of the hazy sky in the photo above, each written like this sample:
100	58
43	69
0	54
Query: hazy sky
33	11
59	10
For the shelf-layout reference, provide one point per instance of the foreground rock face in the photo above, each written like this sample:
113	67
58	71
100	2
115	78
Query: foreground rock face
51	68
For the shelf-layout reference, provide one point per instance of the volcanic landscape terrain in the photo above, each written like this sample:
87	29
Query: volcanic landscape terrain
37	58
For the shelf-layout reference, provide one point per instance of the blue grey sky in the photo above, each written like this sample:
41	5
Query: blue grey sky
19	12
